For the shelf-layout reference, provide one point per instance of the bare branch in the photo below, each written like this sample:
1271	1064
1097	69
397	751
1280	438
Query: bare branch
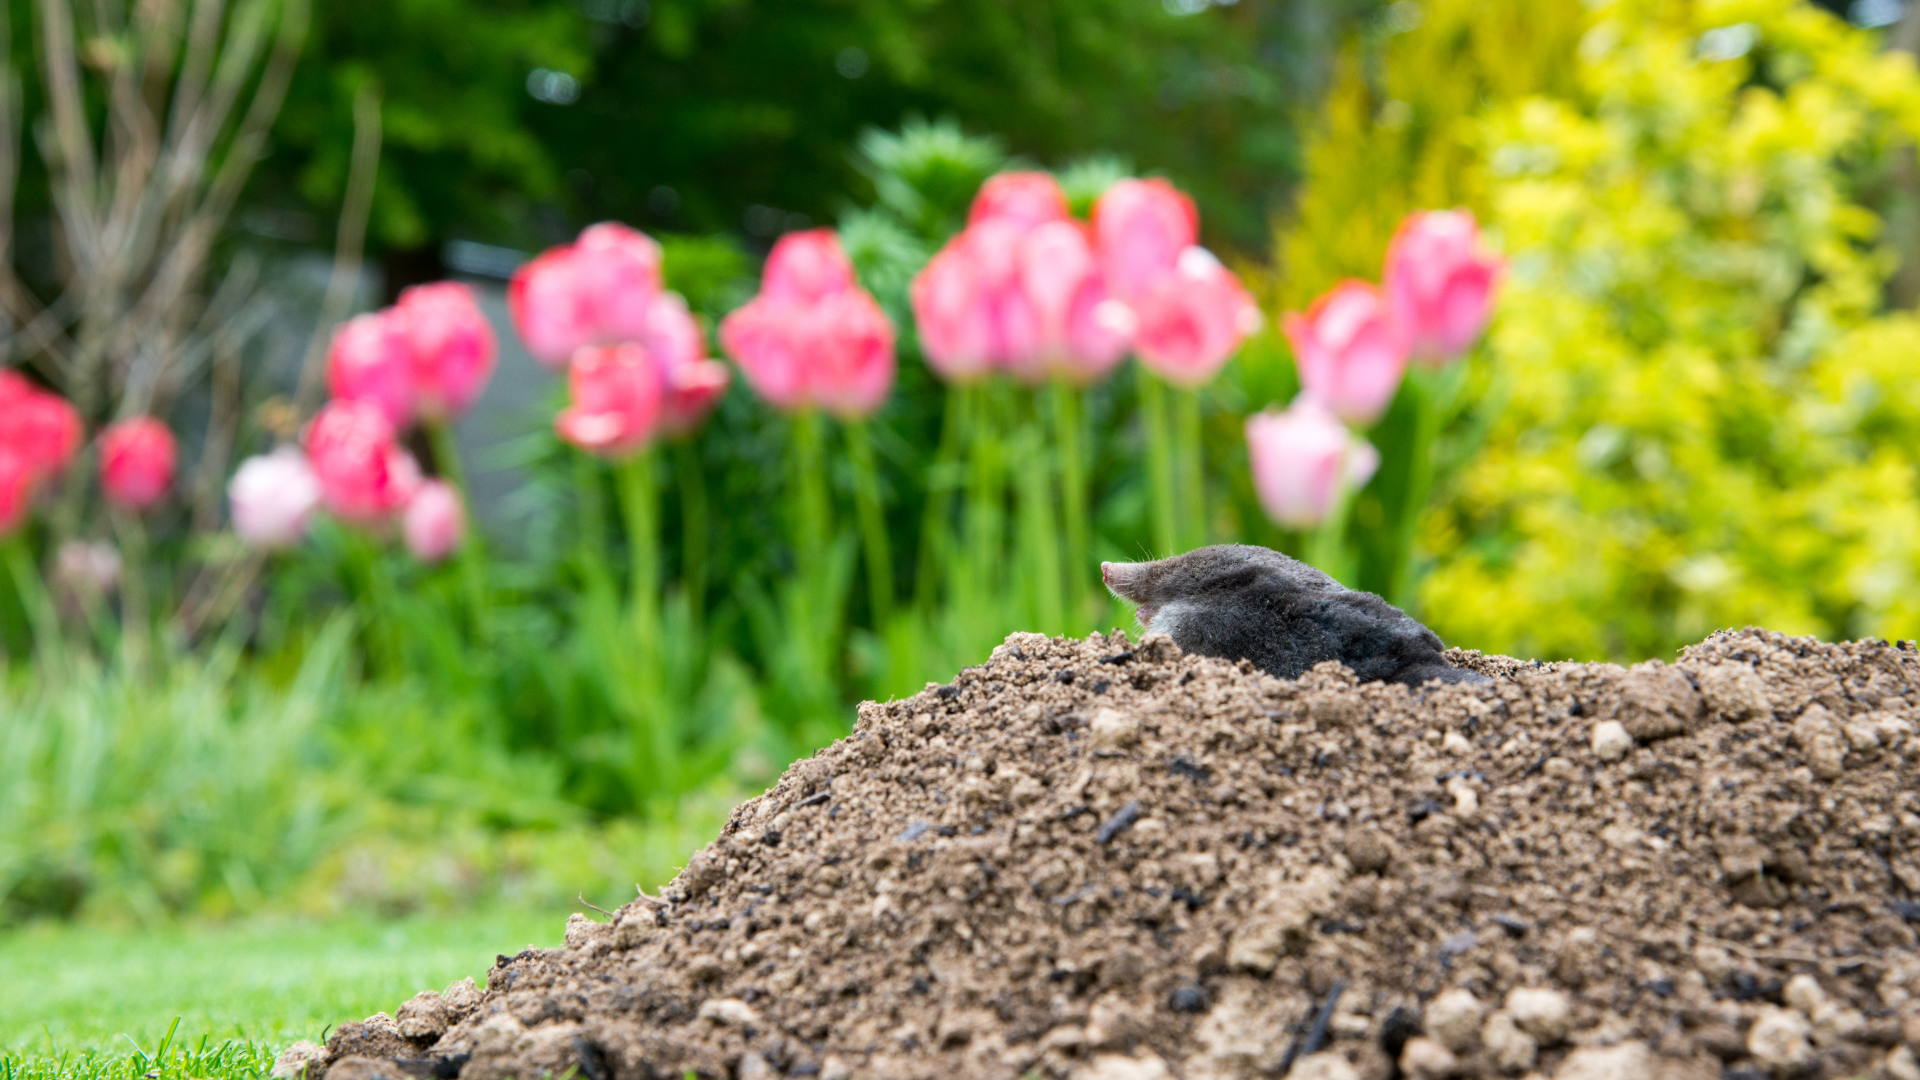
349	243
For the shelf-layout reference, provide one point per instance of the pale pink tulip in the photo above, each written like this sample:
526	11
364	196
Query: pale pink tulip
691	383
364	474
1350	351
88	569
1026	199
1440	280
597	290
137	459
1083	332
41	427
616	400
1191	322
806	266
273	497
1302	459
435	522
369	360
17	476
450	346
762	336
1141	227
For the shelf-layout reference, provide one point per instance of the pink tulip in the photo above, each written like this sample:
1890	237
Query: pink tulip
1350	351
137	459
802	347
435	522
273	497
1301	459
370	360
806	266
616	400
450	347
17	477
1141	227
88	569
595	291
1083	332
364	474
971	311
39	426
1026	199
1440	280
1191	321
691	383
847	351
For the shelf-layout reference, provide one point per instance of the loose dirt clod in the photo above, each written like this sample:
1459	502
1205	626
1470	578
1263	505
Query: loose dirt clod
1075	862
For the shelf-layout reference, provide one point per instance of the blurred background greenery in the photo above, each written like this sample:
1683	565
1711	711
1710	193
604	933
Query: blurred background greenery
1695	408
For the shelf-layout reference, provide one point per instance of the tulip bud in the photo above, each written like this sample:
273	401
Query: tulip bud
137	459
1350	351
1301	459
691	383
1083	332
972	312
597	290
435	522
847	352
273	497
364	474
616	391
369	360
799	346
1141	227
450	346
549	306
1191	321
1440	280
1026	199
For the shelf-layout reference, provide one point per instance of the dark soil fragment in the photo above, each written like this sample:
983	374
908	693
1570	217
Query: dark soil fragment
1180	867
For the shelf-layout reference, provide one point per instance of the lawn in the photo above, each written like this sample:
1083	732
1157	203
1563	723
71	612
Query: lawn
81	1002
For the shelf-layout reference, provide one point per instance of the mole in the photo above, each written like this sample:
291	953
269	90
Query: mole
1238	601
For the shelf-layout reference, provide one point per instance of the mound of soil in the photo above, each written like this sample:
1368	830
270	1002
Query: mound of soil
1095	859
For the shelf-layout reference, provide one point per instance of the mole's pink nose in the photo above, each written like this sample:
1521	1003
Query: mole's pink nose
1106	573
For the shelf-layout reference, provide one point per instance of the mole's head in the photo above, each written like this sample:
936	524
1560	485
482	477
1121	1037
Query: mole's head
1171	591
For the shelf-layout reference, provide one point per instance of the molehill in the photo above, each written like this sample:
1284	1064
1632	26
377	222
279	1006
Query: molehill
1103	860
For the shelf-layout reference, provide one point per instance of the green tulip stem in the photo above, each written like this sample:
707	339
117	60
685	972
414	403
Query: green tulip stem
936	518
1160	464
590	499
1067	441
873	522
812	512
693	531
472	555
1190	485
41	616
136	617
653	745
1039	529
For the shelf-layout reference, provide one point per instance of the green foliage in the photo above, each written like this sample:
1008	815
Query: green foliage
1704	422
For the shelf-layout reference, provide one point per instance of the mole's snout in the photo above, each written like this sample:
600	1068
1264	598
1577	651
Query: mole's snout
1123	579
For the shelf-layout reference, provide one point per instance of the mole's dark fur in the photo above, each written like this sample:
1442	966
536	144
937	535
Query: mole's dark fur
1238	601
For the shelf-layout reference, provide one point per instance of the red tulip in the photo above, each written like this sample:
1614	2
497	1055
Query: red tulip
1141	227
1026	199
370	360
1440	279
435	522
1191	321
806	266
1301	459
450	347
137	459
691	383
595	291
41	427
1350	351
364	474
17	477
616	405
1083	332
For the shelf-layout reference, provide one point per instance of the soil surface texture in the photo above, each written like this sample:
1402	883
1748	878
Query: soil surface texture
1114	861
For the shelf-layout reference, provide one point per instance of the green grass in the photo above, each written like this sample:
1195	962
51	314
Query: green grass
85	1003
